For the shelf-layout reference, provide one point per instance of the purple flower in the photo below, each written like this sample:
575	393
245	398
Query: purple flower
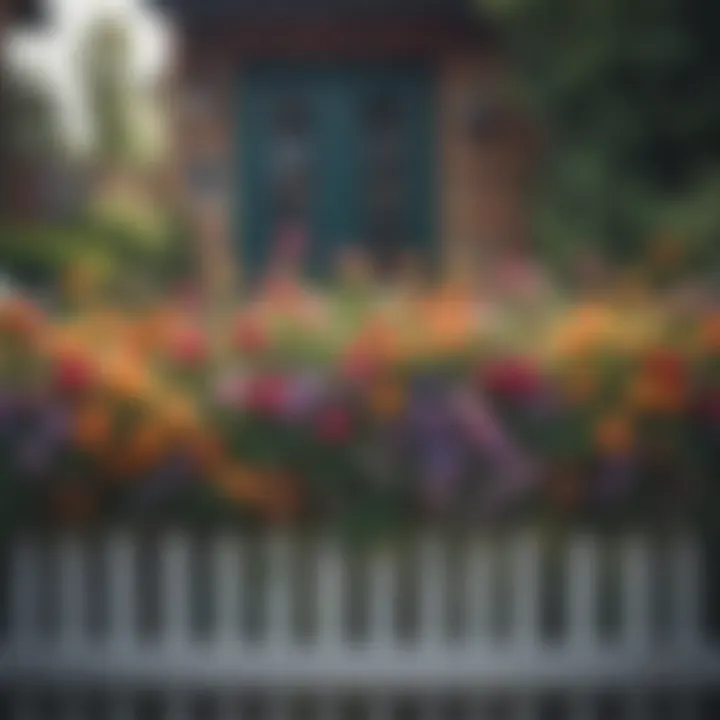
478	423
305	393
442	467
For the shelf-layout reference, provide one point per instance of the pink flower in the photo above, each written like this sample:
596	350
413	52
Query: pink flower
189	347
267	396
250	336
512	379
73	375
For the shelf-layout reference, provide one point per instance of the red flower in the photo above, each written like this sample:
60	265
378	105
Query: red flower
333	426
73	375
189	347
512	379
266	396
250	336
359	365
667	367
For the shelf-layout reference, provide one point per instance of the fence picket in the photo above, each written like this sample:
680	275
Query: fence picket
73	593
24	597
687	585
525	589
122	598
280	592
331	567
226	578
175	591
582	595
382	598
636	595
383	667
478	593
433	588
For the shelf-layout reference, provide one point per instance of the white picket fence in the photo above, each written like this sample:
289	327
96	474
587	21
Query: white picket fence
226	627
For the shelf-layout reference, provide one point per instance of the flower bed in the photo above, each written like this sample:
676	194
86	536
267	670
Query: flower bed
360	409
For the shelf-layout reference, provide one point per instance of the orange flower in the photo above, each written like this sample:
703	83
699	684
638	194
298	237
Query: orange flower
94	428
614	435
177	413
586	330
125	376
450	320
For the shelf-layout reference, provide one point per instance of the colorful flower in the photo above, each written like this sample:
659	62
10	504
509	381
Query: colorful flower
512	379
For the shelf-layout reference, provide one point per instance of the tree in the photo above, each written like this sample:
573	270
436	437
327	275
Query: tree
627	93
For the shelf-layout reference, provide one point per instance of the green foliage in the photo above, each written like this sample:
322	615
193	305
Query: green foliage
627	94
40	255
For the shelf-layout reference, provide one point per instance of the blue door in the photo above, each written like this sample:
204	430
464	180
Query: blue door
337	156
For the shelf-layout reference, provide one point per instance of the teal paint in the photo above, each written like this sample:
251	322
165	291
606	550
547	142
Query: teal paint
336	99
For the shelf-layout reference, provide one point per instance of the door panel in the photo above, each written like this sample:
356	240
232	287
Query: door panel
346	153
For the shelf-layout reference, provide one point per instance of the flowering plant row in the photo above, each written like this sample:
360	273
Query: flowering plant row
360	409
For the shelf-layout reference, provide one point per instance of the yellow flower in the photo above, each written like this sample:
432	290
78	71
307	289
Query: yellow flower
584	331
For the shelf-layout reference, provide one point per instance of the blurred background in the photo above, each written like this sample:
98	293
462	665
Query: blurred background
375	268
609	108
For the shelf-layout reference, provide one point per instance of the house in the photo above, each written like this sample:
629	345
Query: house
389	125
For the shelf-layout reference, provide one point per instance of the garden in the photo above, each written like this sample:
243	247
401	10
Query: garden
366	409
